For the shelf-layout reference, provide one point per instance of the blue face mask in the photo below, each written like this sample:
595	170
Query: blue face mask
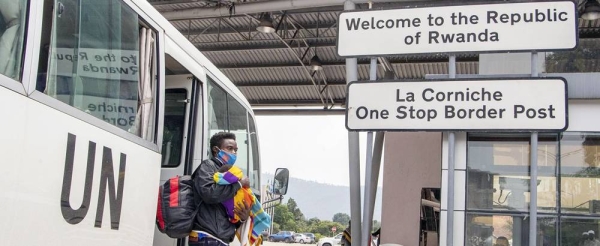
227	158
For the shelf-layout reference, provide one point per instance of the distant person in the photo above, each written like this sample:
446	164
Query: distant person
212	226
502	241
584	238
487	234
346	238
378	235
259	220
592	240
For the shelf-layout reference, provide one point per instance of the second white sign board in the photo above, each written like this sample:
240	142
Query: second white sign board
467	28
474	105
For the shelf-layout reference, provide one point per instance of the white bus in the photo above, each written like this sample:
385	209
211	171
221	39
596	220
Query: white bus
101	101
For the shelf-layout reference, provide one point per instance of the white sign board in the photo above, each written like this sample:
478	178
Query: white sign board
474	105
468	28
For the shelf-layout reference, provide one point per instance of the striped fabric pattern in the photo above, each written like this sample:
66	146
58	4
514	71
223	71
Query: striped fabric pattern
260	220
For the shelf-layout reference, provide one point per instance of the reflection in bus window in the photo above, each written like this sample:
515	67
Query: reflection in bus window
175	107
12	35
101	61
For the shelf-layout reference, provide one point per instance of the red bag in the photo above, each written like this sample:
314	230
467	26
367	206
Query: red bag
176	209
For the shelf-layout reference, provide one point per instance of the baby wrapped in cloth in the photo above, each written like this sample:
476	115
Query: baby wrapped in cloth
258	220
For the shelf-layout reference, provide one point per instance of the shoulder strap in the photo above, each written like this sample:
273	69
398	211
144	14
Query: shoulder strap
209	161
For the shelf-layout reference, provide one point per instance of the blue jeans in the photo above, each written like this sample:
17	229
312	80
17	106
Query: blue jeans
205	241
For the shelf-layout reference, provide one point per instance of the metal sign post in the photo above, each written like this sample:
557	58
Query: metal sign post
533	169
451	159
354	154
450	105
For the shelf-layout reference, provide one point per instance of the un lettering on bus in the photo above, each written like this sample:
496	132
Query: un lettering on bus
107	178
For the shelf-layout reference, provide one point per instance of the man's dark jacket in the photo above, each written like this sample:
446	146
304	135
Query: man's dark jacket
212	217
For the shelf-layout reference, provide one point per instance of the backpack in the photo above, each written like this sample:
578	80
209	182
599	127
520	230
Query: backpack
177	208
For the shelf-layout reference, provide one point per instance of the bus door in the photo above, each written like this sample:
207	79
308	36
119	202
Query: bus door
182	121
181	94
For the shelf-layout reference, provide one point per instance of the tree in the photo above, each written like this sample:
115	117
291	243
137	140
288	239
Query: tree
341	218
324	228
313	221
284	218
293	207
276	227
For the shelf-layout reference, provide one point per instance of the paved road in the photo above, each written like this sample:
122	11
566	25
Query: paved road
286	244
235	243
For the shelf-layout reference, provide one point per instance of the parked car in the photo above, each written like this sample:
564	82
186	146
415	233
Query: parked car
330	241
282	236
311	237
301	238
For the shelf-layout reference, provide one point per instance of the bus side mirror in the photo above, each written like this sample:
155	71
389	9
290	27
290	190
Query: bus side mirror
280	182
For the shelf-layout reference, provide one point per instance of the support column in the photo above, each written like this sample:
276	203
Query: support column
354	154
371	176
451	159
533	171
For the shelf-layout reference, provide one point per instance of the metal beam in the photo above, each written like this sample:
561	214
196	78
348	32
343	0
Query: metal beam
265	6
253	45
285	84
235	30
281	102
291	64
174	2
213	31
299	111
330	47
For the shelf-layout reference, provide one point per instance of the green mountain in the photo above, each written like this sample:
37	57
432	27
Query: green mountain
322	200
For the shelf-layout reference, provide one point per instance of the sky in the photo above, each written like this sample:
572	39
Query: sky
313	148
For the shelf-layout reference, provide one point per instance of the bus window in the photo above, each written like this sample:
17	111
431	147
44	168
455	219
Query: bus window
225	113
12	37
238	125
102	60
254	157
175	107
217	110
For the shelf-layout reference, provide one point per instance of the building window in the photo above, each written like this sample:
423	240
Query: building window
568	189
580	173
498	179
584	59
498	172
579	231
498	229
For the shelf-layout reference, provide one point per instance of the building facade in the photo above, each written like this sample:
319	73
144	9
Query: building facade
492	169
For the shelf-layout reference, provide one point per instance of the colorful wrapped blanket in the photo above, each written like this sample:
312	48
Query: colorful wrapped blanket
260	220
